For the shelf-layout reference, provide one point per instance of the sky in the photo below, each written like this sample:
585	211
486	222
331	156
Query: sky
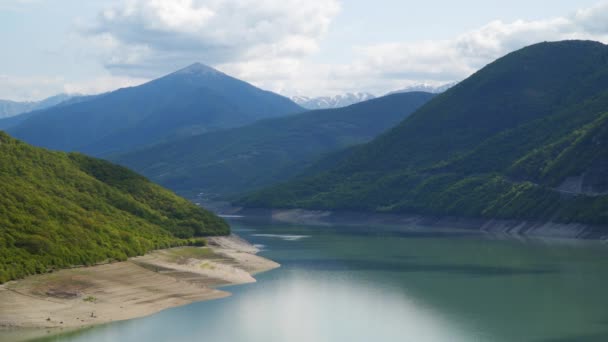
293	47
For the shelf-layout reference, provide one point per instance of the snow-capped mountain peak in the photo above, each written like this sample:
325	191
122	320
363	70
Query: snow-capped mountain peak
336	101
425	87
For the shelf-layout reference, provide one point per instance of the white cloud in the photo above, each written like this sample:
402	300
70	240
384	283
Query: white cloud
37	88
275	44
101	84
387	66
270	42
143	37
17	5
30	87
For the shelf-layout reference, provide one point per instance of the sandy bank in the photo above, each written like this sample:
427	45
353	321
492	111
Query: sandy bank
514	228
81	297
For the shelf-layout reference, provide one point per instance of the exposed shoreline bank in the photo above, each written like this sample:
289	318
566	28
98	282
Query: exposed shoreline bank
71	299
490	226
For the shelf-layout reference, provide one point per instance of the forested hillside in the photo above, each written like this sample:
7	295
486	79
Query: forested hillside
245	158
59	210
523	138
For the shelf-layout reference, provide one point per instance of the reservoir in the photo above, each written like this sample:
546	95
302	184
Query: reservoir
371	283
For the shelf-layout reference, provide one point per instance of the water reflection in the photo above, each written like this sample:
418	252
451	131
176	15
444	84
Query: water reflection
307	307
341	284
409	267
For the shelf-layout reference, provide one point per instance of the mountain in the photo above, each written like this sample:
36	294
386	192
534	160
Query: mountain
336	101
245	158
524	138
59	210
343	100
13	108
193	100
429	88
13	121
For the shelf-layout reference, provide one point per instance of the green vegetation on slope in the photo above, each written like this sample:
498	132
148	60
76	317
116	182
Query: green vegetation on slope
524	138
249	157
59	210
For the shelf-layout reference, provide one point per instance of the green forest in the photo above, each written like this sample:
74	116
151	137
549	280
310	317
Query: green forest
64	209
501	144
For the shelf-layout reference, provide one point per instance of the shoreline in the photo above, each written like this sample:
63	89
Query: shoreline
515	228
73	299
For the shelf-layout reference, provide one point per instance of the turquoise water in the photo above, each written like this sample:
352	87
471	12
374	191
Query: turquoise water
383	284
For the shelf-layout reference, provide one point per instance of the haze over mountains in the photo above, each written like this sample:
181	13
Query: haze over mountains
347	99
12	108
248	157
193	100
416	170
428	88
13	121
524	138
336	101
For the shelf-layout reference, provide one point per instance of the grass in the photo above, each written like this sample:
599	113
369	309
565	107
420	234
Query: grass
207	266
90	299
200	253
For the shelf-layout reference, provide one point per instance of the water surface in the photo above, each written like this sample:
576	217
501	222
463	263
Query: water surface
395	284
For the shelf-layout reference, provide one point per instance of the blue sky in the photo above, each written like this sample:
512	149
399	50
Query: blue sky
305	47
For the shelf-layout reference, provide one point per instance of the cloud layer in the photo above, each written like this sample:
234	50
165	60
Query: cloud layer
381	67
29	87
144	36
270	43
276	44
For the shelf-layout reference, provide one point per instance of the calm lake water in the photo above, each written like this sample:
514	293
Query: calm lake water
383	284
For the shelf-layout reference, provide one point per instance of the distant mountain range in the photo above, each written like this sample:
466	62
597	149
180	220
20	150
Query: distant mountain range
13	121
193	100
524	138
245	158
12	108
347	99
428	88
327	102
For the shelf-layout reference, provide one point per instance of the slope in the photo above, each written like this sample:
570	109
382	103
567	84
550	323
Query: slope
192	100
13	121
12	108
59	210
336	101
245	158
523	138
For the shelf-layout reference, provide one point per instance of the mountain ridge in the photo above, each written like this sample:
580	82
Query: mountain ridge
10	108
429	88
496	145
250	156
350	98
328	102
191	100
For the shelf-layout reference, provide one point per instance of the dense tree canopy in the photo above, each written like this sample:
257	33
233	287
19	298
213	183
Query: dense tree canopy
59	210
